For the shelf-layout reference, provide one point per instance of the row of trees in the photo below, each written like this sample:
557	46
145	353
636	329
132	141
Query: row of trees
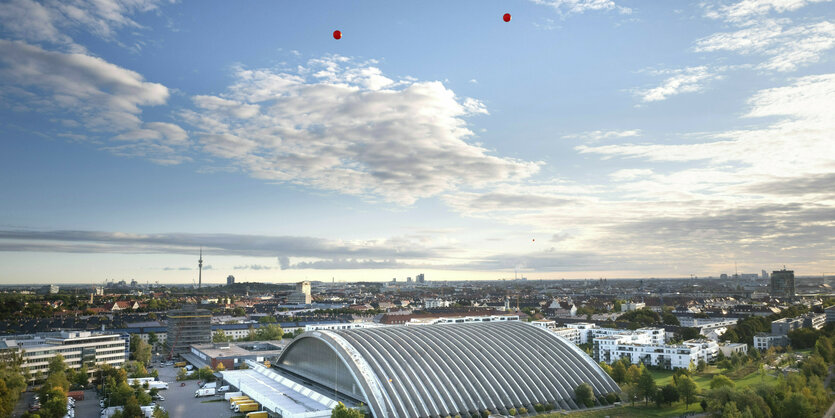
266	332
637	383
12	382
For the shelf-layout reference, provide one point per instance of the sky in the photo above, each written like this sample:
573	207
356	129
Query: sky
584	138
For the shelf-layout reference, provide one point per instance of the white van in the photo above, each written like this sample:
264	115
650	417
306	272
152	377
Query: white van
224	388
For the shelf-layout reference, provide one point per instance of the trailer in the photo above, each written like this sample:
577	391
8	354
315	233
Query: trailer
234	404
157	385
229	395
76	394
204	392
258	414
247	407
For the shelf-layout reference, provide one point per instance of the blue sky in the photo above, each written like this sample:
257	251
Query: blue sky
585	138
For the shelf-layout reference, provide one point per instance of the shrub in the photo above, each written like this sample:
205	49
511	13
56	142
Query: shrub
512	411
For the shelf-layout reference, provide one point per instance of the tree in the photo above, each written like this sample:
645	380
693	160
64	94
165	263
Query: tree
606	368
132	409
268	332
81	378
619	372
670	393
632	374
584	394
220	337
57	364
267	319
55	405
720	380
688	390
143	352
630	392
341	411
814	365
701	367
646	386
670	319
153	338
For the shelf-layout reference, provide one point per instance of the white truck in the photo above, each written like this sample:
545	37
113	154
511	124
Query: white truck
157	385
211	385
204	392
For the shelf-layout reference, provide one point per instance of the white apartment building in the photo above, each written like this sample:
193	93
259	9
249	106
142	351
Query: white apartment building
706	323
730	348
435	303
637	350
588	332
632	306
77	347
570	334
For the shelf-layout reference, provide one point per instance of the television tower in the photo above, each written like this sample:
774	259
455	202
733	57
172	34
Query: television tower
200	270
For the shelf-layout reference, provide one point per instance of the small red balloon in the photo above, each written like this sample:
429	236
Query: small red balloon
506	17
337	34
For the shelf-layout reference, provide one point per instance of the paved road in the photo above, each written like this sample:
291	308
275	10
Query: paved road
181	403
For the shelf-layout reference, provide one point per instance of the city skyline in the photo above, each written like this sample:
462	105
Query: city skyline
582	139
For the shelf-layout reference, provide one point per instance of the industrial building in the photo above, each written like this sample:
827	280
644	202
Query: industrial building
233	355
77	347
446	369
186	327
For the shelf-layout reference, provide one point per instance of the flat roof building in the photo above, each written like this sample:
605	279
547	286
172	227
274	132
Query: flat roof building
79	348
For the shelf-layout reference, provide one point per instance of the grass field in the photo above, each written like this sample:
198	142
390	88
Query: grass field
663	377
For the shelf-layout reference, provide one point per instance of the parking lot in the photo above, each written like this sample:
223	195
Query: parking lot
181	403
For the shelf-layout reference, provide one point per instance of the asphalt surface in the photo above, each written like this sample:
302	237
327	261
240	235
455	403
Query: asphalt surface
88	408
181	403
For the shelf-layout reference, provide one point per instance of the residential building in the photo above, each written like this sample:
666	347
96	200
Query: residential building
435	303
77	347
730	348
461	319
763	341
230	280
570	334
632	306
830	314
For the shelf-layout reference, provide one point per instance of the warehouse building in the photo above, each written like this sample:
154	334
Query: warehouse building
446	369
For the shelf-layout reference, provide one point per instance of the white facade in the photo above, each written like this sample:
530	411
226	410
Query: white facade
77	347
707	350
703	323
729	348
461	319
584	328
344	325
632	306
435	303
614	347
570	334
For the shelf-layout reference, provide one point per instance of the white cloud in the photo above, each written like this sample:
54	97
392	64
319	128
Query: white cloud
567	7
600	134
105	99
747	9
686	80
49	21
339	125
630	174
787	46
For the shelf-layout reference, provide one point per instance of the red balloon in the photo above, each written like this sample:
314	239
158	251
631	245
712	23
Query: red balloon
337	34
506	17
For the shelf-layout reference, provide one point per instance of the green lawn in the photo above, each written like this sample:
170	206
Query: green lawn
663	377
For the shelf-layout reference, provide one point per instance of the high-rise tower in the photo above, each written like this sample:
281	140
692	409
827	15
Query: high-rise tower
200	270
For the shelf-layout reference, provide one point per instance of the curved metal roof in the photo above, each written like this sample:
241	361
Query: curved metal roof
447	369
